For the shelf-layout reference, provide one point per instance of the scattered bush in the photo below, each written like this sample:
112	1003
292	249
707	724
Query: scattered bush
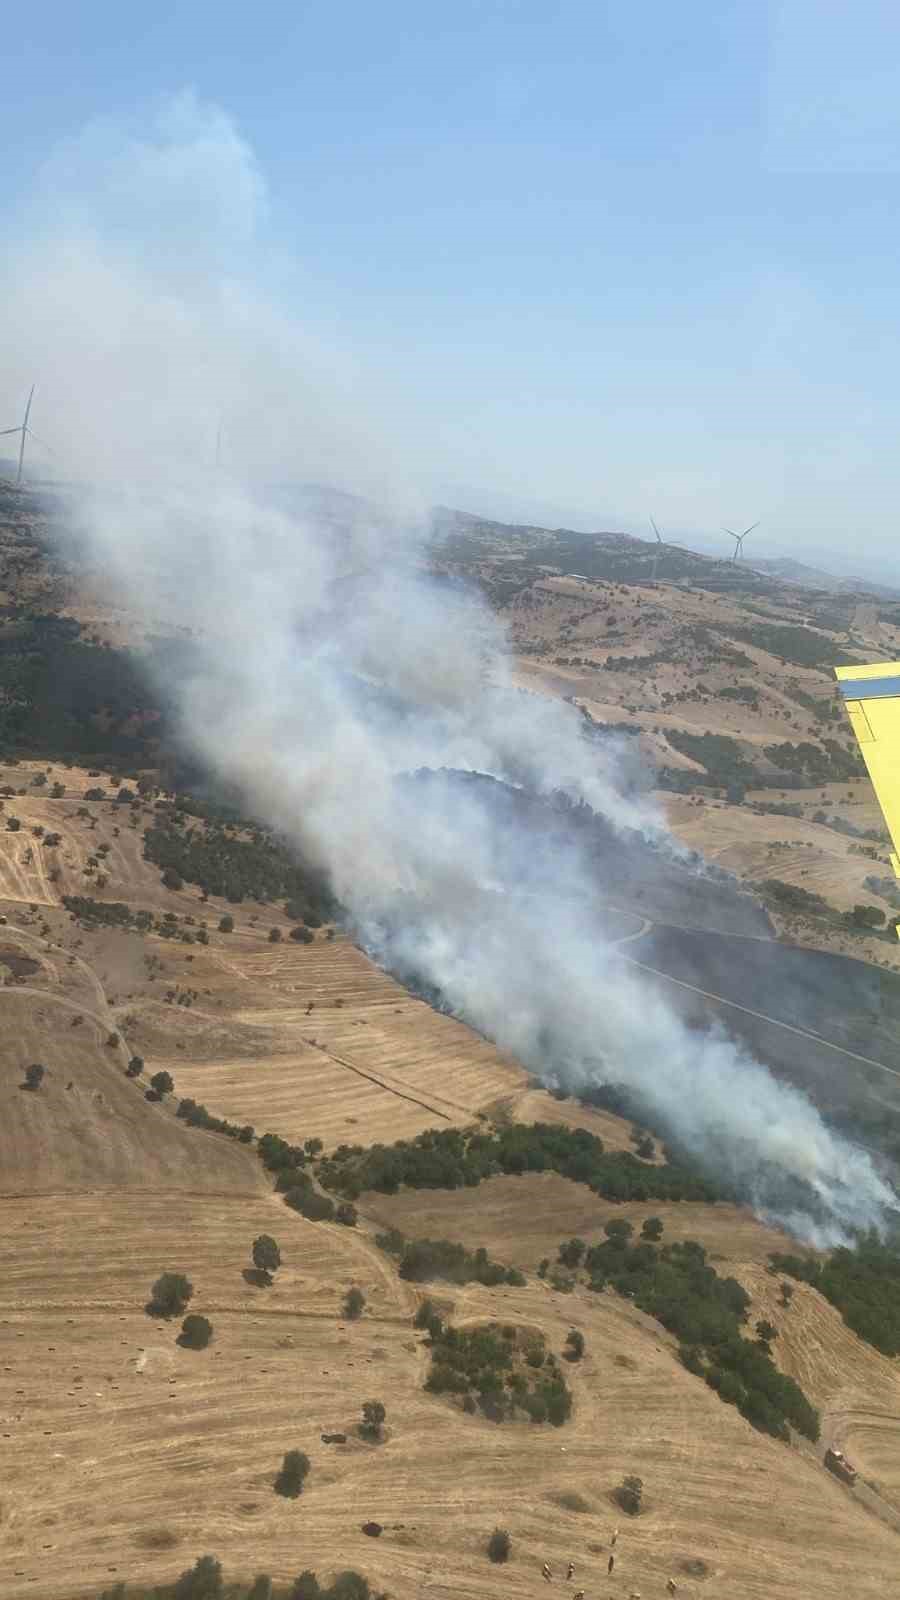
135	1067
499	1545
301	935
500	1371
226	923
170	1295
574	1345
354	1304
196	1332
629	1495
202	1582
347	1214
373	1419
294	1471
424	1259
34	1076
162	1083
266	1256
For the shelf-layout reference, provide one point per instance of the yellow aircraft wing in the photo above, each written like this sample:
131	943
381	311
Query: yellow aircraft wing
872	697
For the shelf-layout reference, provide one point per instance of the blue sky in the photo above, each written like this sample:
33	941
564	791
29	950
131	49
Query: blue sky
595	261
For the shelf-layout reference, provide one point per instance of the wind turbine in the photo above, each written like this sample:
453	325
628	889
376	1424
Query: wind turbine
22	429
739	540
662	544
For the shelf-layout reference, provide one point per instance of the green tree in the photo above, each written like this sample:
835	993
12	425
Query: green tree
652	1229
135	1067
34	1075
347	1214
13	824
373	1419
574	1345
350	1586
266	1256
202	1582
307	1587
294	1470
866	917
261	1588
226	923
630	1494
498	1545
766	1332
274	935
425	1314
354	1304
170	1295
162	1083
787	1293
618	1231
196	1332
571	1254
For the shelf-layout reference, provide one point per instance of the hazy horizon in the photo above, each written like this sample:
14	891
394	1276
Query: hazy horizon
610	262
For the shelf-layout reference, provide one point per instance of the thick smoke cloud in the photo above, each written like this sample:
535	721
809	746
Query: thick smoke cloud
328	665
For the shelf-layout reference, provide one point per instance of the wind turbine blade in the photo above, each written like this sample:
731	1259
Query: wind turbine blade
42	442
28	407
655	530
10	430
749	530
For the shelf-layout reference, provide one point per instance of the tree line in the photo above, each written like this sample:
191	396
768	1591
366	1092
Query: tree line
421	1260
675	1284
205	1581
453	1158
862	1283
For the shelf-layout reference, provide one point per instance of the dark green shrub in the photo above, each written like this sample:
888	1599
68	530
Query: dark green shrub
196	1332
499	1545
170	1294
354	1304
293	1474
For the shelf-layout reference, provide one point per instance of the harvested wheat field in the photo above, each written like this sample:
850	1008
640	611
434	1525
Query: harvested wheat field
134	1455
314	1040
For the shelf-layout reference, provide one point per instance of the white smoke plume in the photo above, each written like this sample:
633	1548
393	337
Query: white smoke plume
327	668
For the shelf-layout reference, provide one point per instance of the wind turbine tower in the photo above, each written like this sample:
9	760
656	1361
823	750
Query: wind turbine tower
739	540
22	430
661	544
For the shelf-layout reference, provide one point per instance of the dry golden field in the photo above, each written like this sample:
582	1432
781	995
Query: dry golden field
132	1455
